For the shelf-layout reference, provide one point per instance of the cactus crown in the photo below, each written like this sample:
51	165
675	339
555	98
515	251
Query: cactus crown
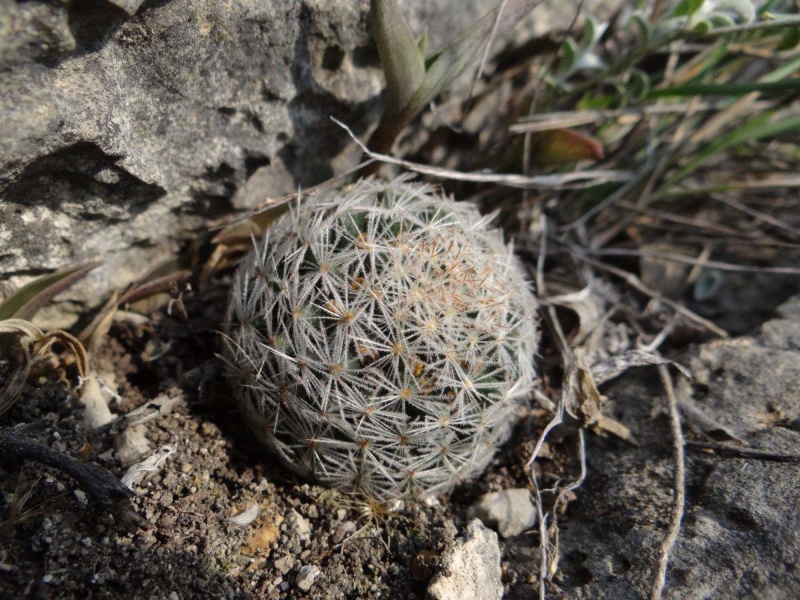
381	339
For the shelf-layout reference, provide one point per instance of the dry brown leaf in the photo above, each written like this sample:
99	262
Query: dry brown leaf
608	369
582	400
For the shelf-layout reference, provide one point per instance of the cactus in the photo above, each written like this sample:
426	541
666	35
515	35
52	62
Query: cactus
381	339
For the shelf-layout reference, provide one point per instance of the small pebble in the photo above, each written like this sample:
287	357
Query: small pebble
343	530
300	525
285	564
307	576
131	445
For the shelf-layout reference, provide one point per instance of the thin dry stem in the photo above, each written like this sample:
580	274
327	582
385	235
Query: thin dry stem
636	283
760	215
680	485
678	219
741	452
709	264
575	180
559	120
543	560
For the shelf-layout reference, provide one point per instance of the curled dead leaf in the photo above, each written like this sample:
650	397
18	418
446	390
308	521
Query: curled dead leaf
565	146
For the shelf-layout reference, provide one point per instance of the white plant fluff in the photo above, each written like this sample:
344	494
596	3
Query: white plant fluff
381	339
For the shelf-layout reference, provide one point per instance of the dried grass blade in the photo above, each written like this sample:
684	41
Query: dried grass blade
680	486
757	128
636	283
27	301
710	264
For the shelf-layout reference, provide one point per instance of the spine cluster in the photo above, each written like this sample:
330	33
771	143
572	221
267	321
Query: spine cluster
381	340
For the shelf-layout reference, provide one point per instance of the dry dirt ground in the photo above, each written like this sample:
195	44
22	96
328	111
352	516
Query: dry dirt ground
175	539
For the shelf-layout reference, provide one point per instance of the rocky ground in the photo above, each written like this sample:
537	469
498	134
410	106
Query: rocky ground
180	537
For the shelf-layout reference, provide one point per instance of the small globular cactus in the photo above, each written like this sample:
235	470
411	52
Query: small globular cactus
381	339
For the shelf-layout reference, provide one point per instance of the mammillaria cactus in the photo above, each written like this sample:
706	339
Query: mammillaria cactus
381	339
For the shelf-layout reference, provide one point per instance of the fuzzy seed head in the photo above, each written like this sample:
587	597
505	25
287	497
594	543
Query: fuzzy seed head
389	340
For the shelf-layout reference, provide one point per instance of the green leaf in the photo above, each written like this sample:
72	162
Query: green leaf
765	9
743	9
440	70
782	73
702	26
27	301
686	8
643	27
712	63
638	85
790	39
596	102
401	59
591	33
445	66
569	54
720	20
422	44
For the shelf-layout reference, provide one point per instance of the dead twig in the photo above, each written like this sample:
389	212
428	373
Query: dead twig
735	451
680	485
688	260
543	543
548	560
577	179
636	283
561	340
104	487
757	214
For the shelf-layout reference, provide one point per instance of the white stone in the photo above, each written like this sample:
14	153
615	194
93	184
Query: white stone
300	525
131	445
306	576
471	569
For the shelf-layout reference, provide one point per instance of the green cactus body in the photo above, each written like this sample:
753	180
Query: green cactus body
381	340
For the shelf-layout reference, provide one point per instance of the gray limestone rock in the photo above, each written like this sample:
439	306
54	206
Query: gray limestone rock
471	569
129	127
739	537
510	512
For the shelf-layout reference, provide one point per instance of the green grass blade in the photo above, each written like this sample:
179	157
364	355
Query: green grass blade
757	128
783	72
727	89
